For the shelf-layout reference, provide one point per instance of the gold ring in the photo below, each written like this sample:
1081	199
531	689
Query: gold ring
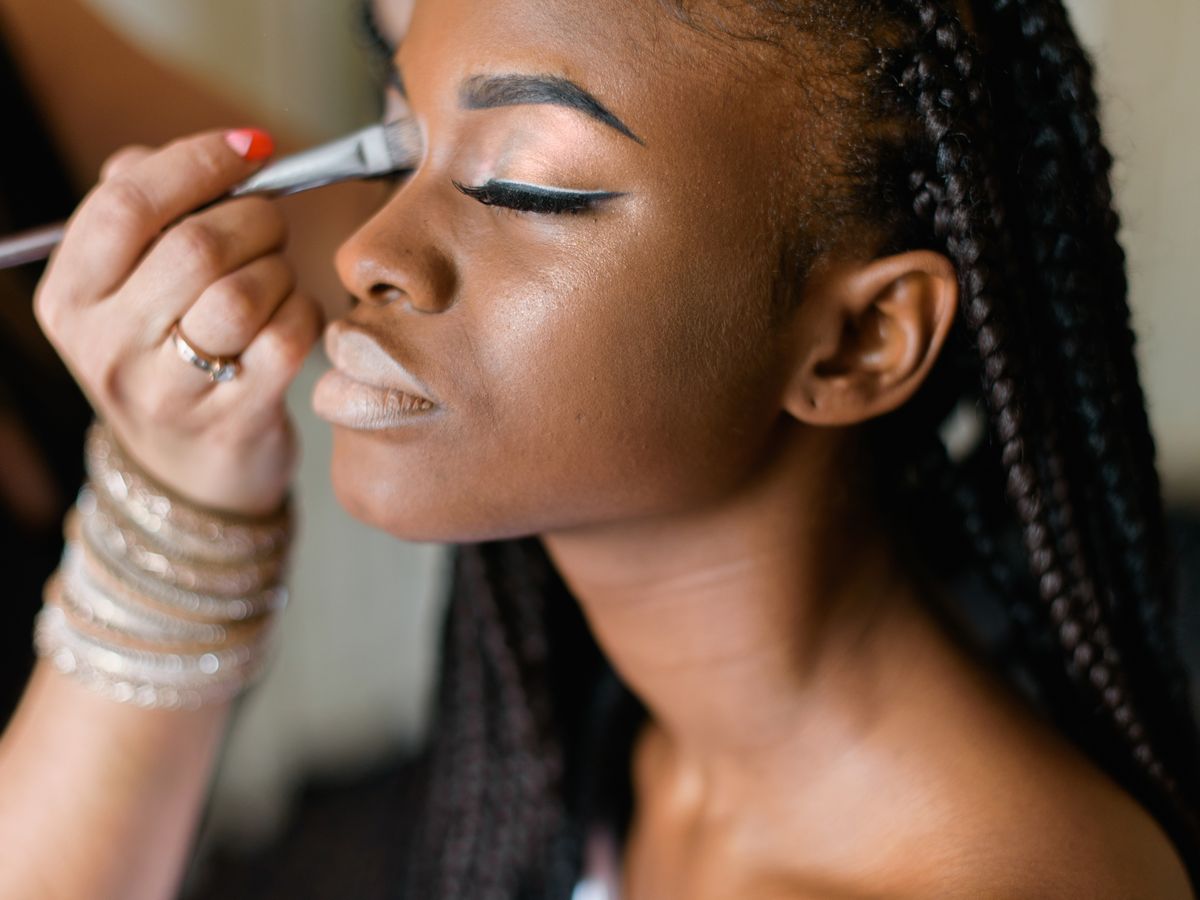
217	368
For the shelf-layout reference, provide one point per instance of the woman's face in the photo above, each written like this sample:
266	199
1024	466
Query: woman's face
611	360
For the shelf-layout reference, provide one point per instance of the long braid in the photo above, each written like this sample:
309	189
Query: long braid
963	200
495	827
1080	267
970	221
957	496
1125	448
454	825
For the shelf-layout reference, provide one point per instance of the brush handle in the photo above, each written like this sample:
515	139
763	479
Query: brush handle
38	243
30	246
368	153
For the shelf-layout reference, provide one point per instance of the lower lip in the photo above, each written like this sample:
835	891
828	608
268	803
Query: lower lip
341	400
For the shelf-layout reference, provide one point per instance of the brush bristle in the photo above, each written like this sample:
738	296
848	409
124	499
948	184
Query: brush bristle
403	137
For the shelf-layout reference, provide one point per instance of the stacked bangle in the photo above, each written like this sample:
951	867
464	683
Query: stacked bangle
157	601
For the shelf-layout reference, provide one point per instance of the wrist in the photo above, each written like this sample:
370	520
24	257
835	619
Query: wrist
159	602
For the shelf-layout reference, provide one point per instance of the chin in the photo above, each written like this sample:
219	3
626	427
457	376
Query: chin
442	491
379	482
376	484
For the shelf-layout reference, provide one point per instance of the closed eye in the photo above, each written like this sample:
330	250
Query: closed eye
533	198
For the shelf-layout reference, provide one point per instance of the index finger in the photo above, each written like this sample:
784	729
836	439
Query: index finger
125	214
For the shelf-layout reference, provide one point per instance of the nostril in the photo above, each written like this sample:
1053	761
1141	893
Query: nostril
383	294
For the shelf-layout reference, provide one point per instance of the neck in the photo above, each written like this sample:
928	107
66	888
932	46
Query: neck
756	629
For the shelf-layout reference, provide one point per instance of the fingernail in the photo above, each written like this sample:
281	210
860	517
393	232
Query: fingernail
251	144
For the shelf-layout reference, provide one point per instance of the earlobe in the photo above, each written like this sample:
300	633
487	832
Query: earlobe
868	336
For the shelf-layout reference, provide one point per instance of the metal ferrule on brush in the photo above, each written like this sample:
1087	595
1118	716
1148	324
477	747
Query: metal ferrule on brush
363	154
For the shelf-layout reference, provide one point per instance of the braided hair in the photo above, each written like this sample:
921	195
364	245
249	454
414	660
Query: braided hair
1050	320
980	141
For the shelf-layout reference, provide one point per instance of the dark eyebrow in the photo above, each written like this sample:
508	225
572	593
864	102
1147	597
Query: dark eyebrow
492	91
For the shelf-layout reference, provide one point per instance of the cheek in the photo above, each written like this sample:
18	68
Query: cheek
614	377
636	381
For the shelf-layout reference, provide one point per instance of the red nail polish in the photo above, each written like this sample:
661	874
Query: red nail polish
252	144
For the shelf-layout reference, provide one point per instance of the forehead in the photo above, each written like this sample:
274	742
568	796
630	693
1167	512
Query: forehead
566	20
634	55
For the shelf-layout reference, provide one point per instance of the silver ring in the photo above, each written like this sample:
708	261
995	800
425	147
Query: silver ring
217	368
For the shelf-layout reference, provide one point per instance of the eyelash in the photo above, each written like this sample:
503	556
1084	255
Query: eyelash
521	199
533	200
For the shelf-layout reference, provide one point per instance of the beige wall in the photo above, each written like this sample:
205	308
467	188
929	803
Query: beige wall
297	58
1150	70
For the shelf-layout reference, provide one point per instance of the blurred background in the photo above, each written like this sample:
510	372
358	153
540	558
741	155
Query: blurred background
349	691
299	59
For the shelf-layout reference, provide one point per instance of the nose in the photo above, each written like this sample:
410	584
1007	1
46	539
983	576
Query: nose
396	256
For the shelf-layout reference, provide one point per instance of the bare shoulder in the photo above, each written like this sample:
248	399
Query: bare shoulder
1038	819
1102	846
1022	812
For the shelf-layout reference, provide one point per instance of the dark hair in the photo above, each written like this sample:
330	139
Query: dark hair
993	157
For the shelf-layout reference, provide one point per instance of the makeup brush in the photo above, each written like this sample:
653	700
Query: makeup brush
373	152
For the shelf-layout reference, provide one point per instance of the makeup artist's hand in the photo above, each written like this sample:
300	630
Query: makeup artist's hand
132	264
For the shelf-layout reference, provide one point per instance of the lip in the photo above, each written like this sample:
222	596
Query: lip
340	400
368	389
361	357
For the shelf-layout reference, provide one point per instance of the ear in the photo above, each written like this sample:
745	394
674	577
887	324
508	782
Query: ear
866	336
